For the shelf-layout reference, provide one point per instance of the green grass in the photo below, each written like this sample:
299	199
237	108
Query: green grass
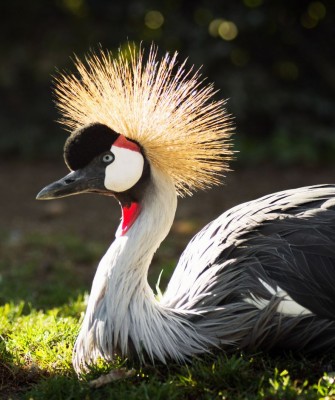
43	281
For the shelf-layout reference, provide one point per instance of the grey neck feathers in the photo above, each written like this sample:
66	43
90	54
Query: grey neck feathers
123	315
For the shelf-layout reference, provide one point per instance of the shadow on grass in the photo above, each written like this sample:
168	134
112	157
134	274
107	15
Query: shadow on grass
15	379
45	271
237	377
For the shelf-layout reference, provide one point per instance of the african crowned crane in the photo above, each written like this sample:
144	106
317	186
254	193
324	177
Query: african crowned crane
259	276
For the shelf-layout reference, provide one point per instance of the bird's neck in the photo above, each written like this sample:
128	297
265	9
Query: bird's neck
121	298
128	259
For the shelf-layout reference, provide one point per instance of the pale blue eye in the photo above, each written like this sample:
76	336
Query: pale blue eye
108	158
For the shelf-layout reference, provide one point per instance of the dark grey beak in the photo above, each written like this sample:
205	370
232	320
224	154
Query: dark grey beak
81	181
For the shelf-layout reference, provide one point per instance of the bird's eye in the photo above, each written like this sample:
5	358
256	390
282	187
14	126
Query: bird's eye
108	158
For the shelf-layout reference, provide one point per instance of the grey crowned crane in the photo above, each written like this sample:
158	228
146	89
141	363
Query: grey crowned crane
261	275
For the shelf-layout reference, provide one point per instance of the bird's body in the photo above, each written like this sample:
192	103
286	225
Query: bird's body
261	266
250	279
261	275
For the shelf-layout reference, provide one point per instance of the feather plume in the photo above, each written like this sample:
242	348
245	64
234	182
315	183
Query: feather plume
166	108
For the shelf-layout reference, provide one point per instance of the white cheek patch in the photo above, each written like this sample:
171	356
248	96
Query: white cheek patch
125	171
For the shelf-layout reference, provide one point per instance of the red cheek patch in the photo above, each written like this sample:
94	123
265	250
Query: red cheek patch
124	143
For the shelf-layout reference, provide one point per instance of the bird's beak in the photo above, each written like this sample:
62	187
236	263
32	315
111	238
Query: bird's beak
80	181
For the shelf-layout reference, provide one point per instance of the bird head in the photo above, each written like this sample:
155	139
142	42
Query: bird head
128	116
101	161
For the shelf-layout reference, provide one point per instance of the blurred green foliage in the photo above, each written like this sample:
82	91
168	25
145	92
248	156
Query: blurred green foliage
274	60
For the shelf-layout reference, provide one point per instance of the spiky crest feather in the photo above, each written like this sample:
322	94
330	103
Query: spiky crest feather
166	108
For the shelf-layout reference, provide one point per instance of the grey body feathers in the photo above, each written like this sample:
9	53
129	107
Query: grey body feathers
284	240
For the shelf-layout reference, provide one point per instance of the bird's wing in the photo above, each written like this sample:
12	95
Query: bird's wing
279	245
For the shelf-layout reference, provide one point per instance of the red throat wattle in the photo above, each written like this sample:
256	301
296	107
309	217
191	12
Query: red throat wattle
129	214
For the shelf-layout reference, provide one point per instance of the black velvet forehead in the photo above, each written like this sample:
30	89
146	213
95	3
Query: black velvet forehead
86	143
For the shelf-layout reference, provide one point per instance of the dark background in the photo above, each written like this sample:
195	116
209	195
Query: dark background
274	60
